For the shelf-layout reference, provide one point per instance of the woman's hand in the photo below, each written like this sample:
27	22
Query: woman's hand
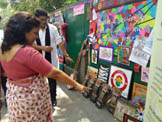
81	88
68	59
48	49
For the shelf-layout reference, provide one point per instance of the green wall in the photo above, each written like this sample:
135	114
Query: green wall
77	31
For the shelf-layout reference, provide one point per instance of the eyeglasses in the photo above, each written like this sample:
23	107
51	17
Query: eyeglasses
43	20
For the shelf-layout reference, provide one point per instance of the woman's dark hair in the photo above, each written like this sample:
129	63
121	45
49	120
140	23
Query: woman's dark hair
15	29
41	12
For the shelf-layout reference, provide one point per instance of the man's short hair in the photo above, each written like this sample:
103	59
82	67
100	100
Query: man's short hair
41	12
0	18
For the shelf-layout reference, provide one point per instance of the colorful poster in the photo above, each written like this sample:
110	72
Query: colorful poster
106	54
138	55
123	55
94	56
78	10
121	25
120	78
139	93
145	74
153	108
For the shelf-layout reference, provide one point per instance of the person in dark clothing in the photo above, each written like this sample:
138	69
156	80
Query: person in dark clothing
47	43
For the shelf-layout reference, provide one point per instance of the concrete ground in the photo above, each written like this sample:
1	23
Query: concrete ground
72	107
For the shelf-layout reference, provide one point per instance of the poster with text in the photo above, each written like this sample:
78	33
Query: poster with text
138	55
153	108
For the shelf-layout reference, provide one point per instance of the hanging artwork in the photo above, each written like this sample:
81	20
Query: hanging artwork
136	67
103	4
94	56
103	73
138	55
139	93
120	25
120	78
92	71
123	107
123	55
128	118
106	54
95	2
89	10
148	46
145	74
92	38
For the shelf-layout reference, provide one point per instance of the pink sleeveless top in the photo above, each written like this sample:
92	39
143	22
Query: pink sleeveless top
26	62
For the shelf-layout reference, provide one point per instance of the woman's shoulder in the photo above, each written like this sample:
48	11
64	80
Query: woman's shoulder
28	50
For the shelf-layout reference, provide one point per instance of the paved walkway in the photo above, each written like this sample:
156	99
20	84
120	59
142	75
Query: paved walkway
73	107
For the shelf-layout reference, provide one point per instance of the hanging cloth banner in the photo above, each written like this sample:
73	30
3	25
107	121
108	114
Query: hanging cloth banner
78	10
104	4
79	4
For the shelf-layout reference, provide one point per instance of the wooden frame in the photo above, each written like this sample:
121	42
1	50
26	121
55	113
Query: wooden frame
123	107
139	93
123	55
128	118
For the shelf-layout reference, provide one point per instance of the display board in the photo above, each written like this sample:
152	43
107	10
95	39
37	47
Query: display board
121	25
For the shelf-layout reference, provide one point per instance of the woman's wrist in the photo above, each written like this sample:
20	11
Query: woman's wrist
66	55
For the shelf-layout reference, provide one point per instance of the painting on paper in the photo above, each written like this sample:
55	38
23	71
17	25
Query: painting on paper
139	93
120	78
92	71
145	74
106	54
103	73
94	56
121	25
123	55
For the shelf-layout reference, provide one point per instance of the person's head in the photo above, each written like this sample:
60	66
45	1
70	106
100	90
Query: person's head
42	16
21	28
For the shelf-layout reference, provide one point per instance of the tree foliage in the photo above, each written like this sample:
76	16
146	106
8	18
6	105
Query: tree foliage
5	14
31	5
9	7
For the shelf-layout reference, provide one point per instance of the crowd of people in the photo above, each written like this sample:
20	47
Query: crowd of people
28	56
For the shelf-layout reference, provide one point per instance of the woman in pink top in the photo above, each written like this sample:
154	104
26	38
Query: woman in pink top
28	97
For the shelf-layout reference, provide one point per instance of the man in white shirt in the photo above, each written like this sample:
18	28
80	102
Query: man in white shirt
47	43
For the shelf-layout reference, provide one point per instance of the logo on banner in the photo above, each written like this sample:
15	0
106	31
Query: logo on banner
119	79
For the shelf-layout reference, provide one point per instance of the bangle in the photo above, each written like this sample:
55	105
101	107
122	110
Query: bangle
66	55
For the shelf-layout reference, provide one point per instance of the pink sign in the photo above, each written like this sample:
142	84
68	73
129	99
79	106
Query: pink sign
78	10
145	74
